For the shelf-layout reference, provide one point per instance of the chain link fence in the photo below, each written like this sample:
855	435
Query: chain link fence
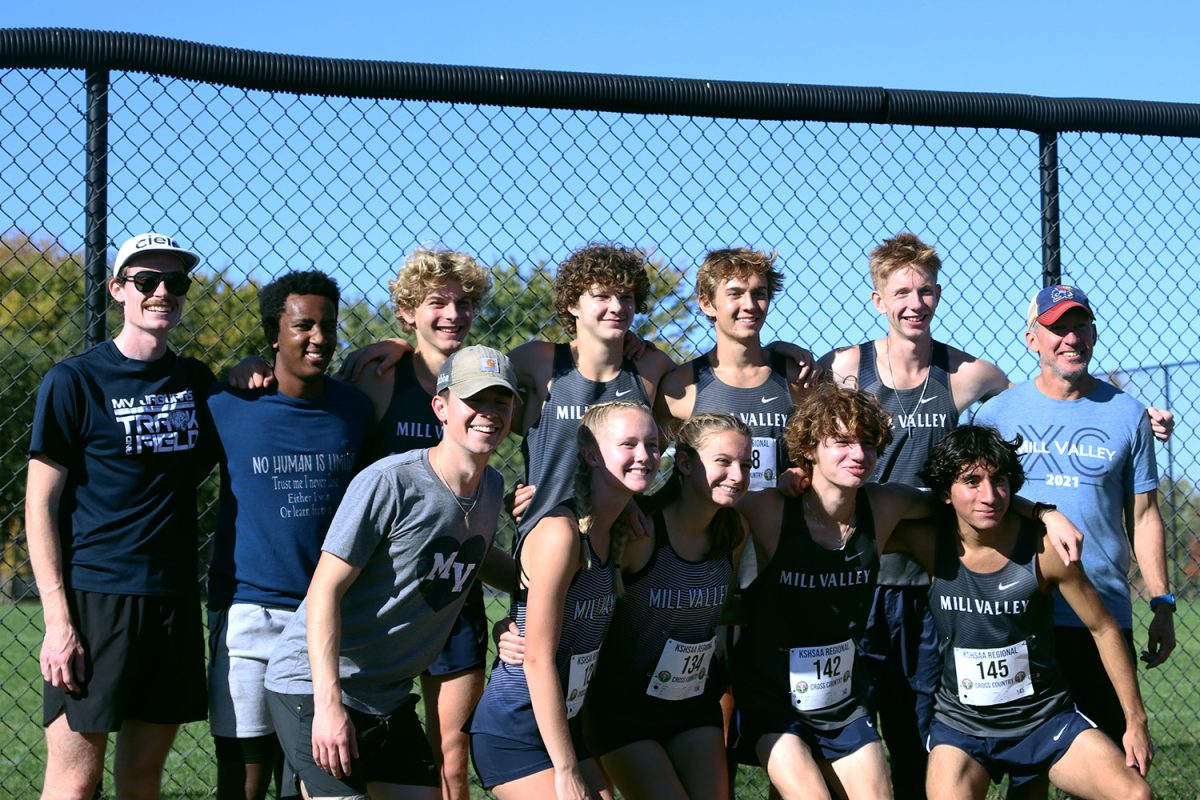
261	182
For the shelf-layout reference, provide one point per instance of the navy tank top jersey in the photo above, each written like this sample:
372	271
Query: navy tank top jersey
1000	673
764	409
549	448
409	422
505	710
663	634
808	607
921	416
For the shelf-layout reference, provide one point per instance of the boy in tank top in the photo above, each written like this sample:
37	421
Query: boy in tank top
1003	706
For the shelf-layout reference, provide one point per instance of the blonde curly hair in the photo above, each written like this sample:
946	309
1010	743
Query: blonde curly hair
428	269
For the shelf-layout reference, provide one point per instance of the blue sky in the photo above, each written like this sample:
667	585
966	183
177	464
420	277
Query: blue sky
1068	49
974	203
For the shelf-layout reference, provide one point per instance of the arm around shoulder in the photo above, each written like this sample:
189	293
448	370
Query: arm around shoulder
841	364
380	356
1085	601
676	398
974	380
534	364
763	516
654	365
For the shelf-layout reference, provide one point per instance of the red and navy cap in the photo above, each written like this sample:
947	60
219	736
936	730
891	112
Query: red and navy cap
1054	301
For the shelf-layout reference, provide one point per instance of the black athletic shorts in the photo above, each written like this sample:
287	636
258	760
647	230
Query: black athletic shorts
391	748
616	722
143	660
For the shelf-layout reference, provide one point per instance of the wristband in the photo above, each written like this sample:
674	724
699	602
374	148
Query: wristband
1167	600
1042	509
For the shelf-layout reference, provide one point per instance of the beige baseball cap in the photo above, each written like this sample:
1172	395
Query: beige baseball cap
472	369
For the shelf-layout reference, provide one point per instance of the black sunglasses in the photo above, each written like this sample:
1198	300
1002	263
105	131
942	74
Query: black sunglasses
147	282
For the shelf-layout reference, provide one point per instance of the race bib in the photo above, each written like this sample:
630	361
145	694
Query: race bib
764	464
682	670
581	669
991	677
820	676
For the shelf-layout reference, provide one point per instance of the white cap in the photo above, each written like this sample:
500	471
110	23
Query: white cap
152	243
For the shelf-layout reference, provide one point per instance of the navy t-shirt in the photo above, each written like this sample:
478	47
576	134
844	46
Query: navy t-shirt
285	464
136	439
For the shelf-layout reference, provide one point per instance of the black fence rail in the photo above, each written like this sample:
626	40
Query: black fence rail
265	163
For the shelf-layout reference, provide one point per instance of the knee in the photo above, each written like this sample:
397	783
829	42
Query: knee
138	777
1138	789
71	785
73	774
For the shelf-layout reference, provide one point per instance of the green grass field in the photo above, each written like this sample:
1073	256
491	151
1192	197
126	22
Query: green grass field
1171	693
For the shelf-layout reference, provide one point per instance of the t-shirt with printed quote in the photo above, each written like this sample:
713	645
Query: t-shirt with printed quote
285	464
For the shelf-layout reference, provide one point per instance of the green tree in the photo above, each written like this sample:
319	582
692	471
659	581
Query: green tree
41	322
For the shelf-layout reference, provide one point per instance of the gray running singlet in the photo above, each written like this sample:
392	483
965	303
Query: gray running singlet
549	448
920	418
764	409
663	634
506	708
1000	672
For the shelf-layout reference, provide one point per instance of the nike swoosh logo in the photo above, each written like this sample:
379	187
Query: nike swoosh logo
851	556
622	394
1004	586
928	400
1060	733
769	399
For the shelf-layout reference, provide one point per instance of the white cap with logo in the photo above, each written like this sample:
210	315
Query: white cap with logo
152	243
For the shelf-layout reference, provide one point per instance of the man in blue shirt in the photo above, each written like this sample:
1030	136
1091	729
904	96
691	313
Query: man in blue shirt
1087	447
120	441
287	455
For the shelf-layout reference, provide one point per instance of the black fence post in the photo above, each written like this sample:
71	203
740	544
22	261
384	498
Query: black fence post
1051	251
95	302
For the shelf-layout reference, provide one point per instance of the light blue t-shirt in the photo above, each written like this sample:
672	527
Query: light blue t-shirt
1085	456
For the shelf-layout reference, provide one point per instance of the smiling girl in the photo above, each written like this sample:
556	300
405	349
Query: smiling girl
654	708
527	739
